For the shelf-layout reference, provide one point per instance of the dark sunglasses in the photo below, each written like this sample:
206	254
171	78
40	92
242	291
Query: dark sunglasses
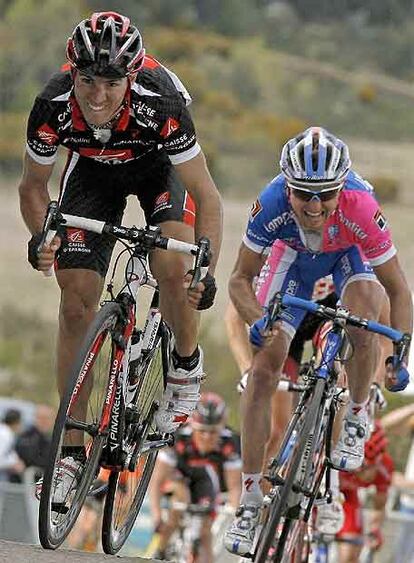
307	195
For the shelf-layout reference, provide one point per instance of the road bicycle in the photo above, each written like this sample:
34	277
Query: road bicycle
185	544
303	477
114	389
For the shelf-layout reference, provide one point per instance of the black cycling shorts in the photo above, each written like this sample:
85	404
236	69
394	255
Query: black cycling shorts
308	328
203	483
99	191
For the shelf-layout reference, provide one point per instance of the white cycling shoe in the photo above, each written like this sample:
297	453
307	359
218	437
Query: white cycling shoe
330	517
181	396
348	454
65	481
239	538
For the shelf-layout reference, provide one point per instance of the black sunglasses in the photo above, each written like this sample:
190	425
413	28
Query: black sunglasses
307	195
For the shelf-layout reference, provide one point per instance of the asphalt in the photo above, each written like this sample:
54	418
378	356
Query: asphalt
12	552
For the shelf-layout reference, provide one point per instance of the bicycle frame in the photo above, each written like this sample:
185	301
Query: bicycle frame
136	276
301	481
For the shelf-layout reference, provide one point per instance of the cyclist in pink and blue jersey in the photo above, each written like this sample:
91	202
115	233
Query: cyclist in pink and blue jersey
319	218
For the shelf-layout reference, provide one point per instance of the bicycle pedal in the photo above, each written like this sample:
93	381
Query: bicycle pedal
131	414
267	500
154	437
275	480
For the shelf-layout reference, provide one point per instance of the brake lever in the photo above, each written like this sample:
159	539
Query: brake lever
273	310
49	230
402	348
49	225
201	262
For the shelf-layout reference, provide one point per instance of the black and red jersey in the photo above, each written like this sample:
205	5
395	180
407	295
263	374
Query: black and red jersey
185	456
154	117
381	478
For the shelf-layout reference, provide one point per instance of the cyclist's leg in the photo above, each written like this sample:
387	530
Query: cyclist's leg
87	190
205	488
362	293
385	344
284	275
352	528
169	269
168	205
85	533
179	493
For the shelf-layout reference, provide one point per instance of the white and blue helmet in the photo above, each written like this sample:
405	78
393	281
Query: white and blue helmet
315	159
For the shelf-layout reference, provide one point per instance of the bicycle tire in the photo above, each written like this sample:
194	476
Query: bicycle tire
126	489
303	546
56	521
310	479
279	505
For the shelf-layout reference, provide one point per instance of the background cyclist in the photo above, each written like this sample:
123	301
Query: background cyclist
376	472
204	462
123	118
325	220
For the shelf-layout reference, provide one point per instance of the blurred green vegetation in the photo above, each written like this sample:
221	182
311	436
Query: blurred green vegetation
249	93
259	71
27	355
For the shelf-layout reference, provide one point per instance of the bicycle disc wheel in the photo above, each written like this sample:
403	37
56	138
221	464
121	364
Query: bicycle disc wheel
286	498
78	423
127	488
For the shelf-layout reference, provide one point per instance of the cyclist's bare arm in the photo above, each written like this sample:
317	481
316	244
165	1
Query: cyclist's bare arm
162	473
247	267
197	180
34	199
34	194
392	278
386	348
377	516
233	482
398	419
238	338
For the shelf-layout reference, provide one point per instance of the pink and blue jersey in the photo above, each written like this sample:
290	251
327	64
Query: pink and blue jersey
355	238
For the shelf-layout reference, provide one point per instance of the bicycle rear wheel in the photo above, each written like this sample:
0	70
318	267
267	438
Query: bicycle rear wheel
283	514
78	423
127	488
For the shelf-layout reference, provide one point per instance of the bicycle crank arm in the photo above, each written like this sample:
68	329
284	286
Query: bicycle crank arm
150	444
73	424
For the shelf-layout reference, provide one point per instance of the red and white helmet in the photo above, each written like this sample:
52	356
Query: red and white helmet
210	411
106	44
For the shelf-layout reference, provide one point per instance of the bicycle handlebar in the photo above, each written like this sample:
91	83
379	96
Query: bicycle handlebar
281	301
149	237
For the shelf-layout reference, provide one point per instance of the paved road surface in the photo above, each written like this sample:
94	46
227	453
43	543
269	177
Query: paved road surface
11	552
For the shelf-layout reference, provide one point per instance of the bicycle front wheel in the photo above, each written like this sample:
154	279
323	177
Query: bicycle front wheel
283	516
79	433
127	488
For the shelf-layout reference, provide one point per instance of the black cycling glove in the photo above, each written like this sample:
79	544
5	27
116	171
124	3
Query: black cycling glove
209	293
32	246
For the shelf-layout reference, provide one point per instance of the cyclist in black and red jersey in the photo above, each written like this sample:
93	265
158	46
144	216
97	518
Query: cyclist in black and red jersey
204	462
377	471
123	118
